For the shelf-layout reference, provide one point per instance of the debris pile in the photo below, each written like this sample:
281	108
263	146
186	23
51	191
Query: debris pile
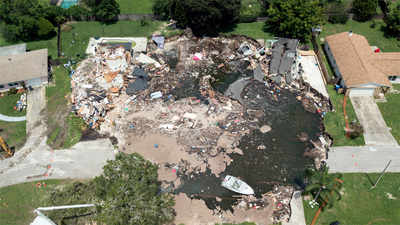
207	93
21	103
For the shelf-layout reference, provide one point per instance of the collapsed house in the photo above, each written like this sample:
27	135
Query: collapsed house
283	65
173	91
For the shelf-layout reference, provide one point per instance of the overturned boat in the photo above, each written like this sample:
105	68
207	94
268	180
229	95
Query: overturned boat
237	185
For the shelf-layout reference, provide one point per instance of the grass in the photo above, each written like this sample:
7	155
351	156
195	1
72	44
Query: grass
254	30
334	121
75	40
390	112
14	133
7	104
360	205
136	6
374	35
64	128
17	202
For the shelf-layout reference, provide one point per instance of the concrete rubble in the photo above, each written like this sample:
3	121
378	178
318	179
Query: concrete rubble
169	90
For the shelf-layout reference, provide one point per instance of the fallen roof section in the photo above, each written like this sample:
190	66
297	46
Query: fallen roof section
139	44
21	67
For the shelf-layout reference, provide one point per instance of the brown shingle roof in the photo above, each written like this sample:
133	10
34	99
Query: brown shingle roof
358	64
26	66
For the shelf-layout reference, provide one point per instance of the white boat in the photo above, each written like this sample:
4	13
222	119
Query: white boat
237	185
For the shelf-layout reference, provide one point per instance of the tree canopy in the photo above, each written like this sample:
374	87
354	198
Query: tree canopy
127	193
392	21
205	17
294	18
364	9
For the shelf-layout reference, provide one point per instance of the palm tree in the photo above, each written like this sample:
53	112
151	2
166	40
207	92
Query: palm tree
324	187
60	20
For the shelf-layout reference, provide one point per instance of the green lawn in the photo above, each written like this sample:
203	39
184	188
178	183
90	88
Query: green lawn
254	30
362	206
375	36
334	121
7	104
64	128
390	112
14	133
75	40
17	202
136	6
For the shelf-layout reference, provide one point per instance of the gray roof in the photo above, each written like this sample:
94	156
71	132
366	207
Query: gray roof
13	49
283	55
21	67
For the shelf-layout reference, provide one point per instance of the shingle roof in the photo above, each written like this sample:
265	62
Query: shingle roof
26	66
358	64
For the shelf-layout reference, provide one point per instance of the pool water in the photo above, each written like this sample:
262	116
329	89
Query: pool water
68	3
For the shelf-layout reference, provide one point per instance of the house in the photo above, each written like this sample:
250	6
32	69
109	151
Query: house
284	60
20	67
359	69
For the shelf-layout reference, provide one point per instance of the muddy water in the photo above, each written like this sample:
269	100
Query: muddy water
282	160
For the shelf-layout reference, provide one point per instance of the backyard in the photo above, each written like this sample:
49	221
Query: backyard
136	6
75	36
14	133
390	111
360	205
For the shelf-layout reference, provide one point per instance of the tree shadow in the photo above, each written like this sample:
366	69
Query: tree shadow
369	179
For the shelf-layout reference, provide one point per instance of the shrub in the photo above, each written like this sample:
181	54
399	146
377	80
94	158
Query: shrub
46	29
78	13
392	21
364	9
161	9
337	13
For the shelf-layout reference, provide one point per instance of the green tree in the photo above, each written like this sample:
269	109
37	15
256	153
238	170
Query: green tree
205	17
161	9
294	18
392	21
128	193
46	29
364	9
107	11
324	187
59	20
336	12
78	13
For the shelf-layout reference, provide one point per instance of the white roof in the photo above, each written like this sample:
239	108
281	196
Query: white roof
141	43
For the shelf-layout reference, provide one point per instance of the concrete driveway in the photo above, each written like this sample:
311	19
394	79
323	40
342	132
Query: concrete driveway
375	130
84	160
363	159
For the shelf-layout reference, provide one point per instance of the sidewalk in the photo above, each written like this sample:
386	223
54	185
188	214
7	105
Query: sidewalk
12	118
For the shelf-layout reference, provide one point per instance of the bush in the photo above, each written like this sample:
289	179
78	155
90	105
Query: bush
364	9
11	32
205	17
46	29
337	13
161	9
78	13
392	21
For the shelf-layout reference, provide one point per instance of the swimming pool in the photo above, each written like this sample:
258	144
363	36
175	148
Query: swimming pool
68	3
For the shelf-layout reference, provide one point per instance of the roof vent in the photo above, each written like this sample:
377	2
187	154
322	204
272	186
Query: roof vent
9	59
350	33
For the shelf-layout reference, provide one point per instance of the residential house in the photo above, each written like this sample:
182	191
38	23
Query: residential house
18	67
359	69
